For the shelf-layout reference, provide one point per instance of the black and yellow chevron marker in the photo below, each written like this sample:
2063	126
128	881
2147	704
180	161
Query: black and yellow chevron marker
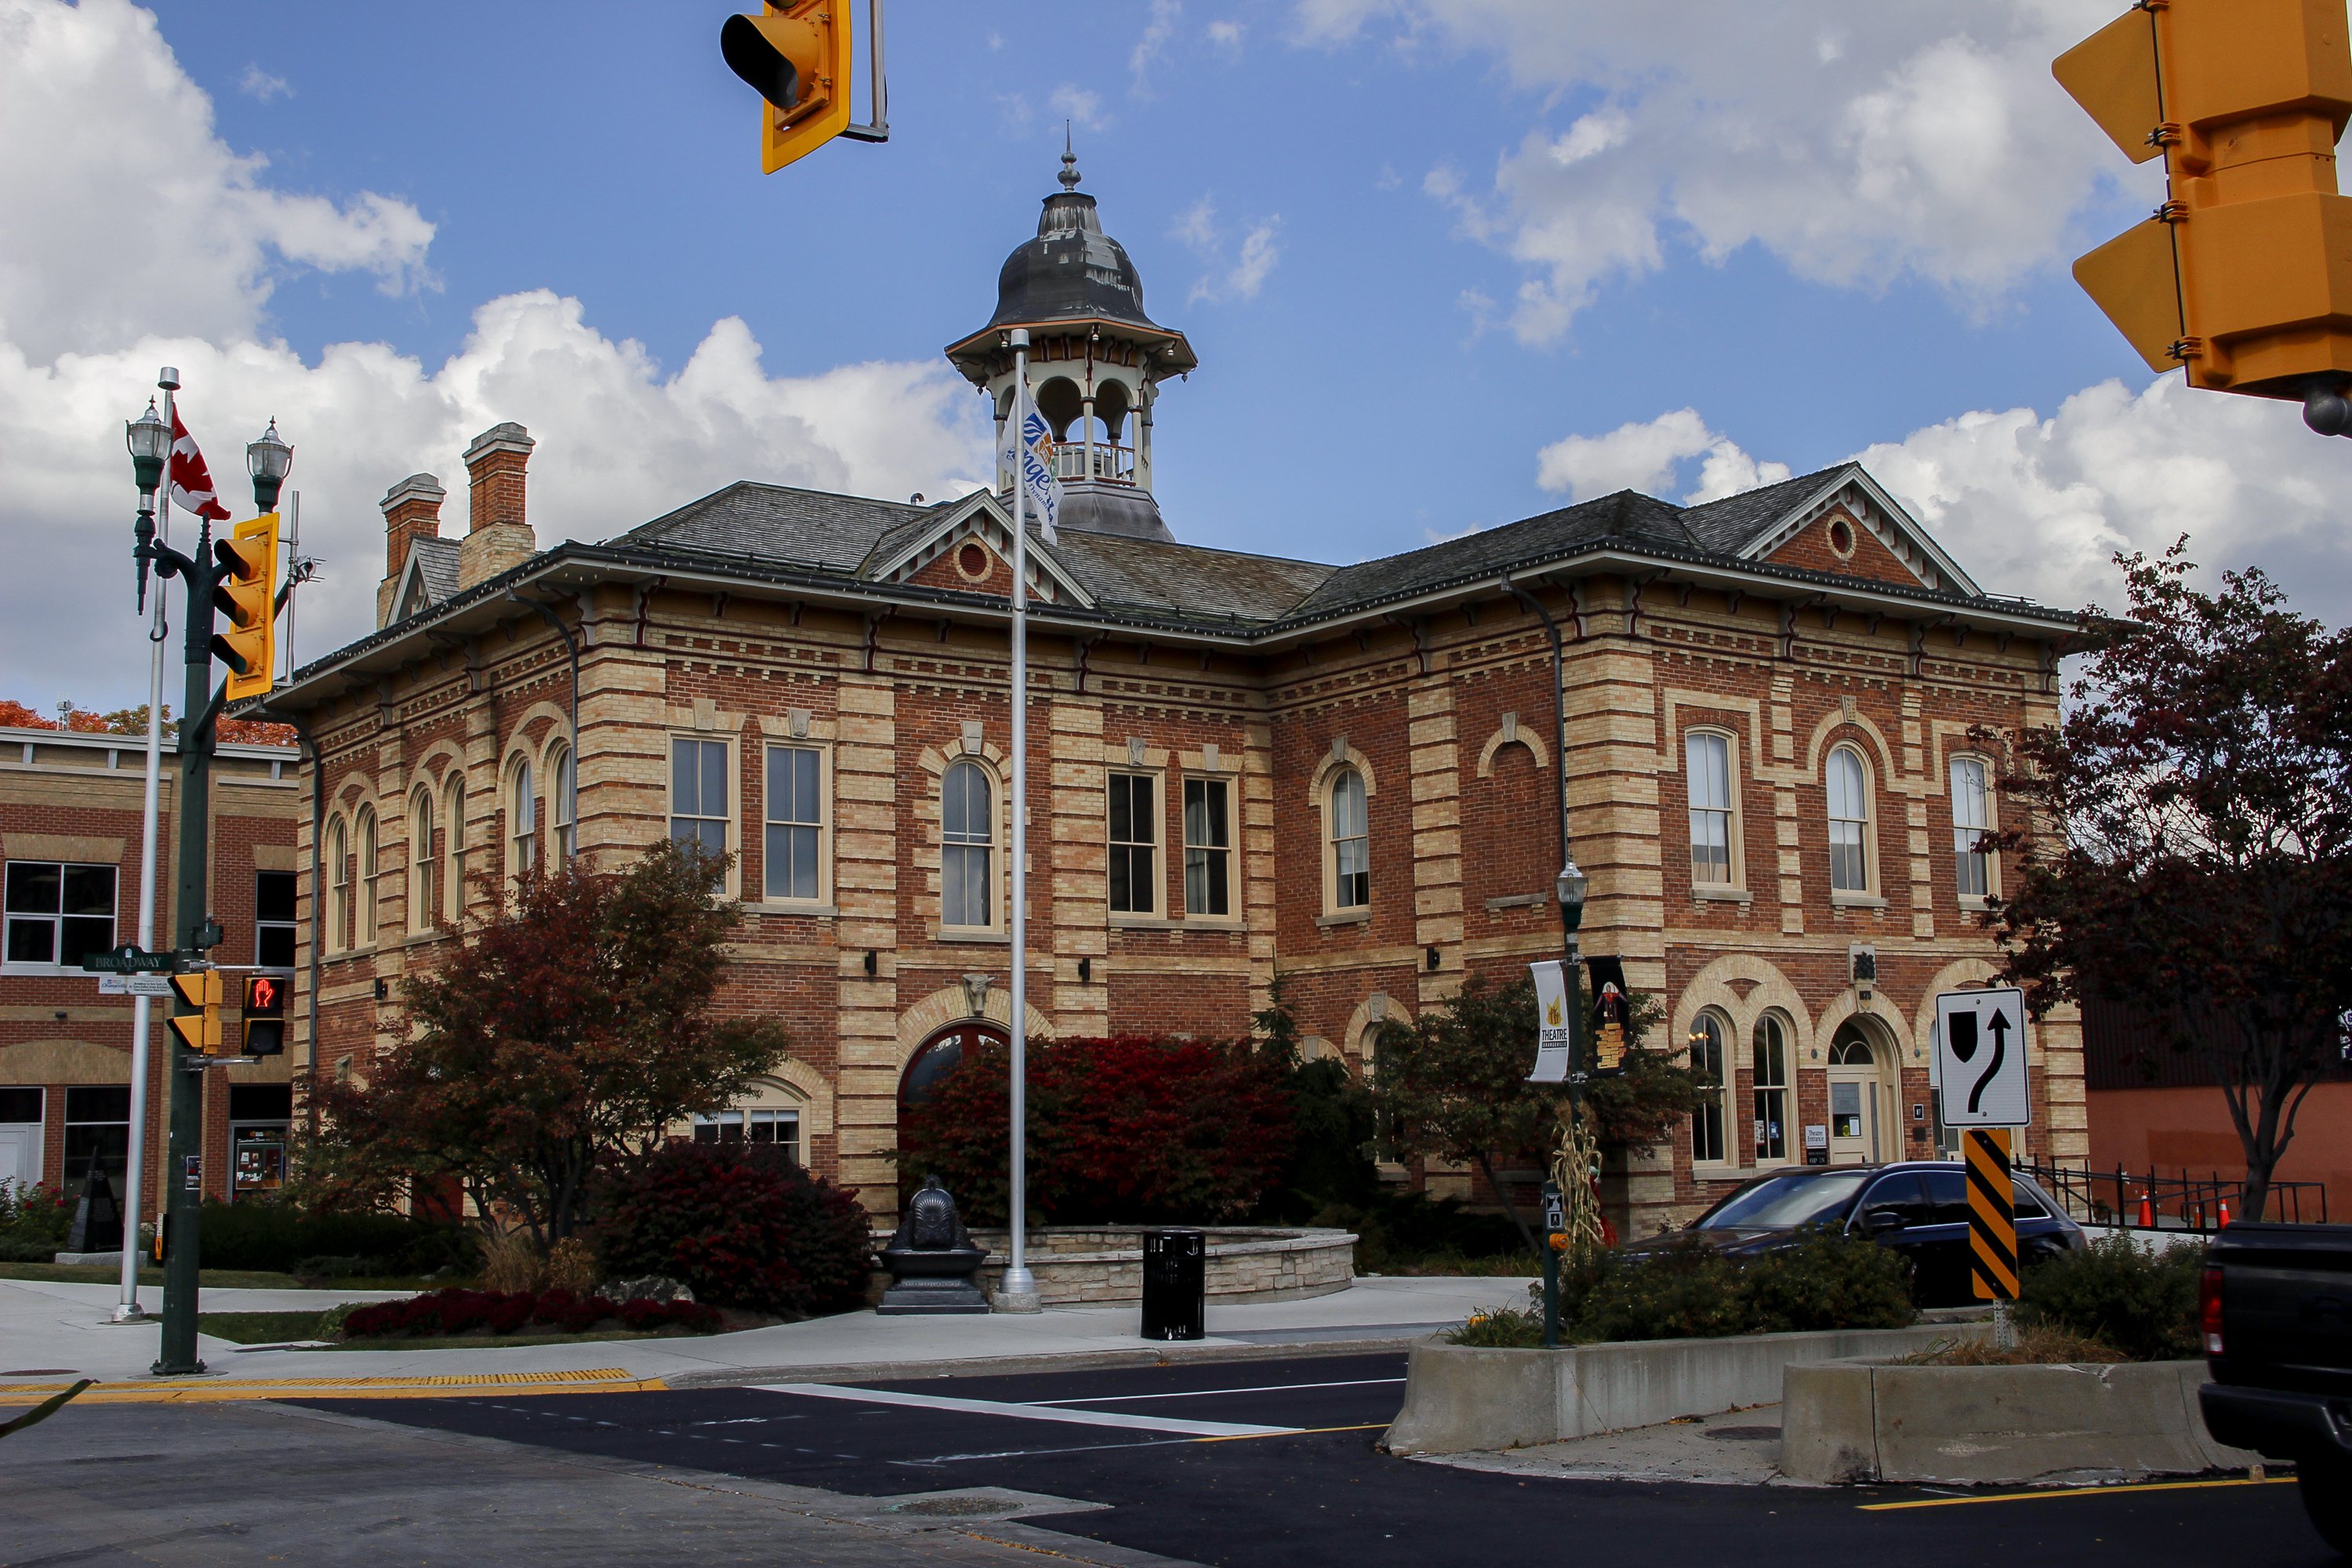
1992	1214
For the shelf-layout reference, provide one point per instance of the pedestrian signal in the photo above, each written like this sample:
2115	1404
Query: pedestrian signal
264	1015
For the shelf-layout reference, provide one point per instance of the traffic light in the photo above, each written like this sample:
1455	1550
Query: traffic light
2244	275
247	595
200	1030
264	1015
796	56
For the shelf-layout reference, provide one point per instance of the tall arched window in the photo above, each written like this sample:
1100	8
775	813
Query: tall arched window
1706	756
1710	1062
339	873
1971	820
1351	843
967	846
1771	1090
1849	804
452	813
424	880
561	804
522	823
370	873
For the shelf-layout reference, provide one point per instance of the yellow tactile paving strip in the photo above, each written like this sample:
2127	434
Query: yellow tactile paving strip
198	1390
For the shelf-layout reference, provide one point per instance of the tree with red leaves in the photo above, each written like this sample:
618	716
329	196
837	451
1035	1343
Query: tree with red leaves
2188	842
574	1026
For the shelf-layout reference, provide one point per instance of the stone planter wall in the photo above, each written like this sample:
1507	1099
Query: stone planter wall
1965	1426
1102	1265
1459	1399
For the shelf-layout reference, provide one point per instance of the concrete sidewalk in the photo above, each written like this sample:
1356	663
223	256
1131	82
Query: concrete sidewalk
50	1331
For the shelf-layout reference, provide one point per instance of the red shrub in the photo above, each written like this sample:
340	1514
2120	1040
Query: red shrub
442	1314
1127	1131
740	1224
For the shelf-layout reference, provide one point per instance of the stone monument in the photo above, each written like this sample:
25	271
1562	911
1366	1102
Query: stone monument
934	1267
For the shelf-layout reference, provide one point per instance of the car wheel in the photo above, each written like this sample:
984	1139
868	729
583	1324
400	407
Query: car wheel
2327	1489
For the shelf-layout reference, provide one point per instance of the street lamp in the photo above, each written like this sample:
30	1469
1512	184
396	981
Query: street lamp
1571	885
150	440
266	460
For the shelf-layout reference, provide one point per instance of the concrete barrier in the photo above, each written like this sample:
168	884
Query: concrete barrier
1964	1425
1459	1398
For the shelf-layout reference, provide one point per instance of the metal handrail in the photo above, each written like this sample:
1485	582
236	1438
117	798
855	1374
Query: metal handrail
2154	1200
1114	463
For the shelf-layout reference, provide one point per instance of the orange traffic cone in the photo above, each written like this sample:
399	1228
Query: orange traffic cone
2147	1211
2225	1213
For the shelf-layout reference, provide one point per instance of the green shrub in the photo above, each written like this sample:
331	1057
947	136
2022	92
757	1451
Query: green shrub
280	1238
1827	1281
2143	1304
1686	1291
1402	1229
1502	1328
32	1222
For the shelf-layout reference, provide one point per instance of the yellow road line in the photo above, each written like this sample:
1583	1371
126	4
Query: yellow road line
598	1379
1294	1432
2080	1491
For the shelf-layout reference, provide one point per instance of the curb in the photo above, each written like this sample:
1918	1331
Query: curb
1009	1366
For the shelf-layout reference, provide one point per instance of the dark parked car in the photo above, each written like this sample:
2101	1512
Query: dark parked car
1919	1209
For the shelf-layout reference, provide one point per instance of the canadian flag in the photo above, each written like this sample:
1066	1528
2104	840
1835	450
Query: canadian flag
191	482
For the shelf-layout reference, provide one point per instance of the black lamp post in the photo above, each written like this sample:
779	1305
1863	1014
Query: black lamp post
266	460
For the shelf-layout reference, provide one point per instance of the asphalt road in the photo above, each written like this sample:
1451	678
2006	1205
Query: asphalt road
1273	1462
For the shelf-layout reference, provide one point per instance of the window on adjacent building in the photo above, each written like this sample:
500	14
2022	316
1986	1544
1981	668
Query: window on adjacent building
1708	1061
273	920
794	845
371	876
1706	756
1849	804
98	1125
563	804
522	822
698	792
756	1125
1208	847
58	912
1351	845
423	869
967	846
1771	1088
452	813
338	875
1134	844
1971	820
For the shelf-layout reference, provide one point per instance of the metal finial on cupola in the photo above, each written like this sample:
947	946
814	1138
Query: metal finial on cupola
1069	175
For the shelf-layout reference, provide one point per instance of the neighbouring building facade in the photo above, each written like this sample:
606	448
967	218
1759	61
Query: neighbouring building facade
1243	769
70	805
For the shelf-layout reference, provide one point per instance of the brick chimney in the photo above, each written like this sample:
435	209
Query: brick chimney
498	536
412	511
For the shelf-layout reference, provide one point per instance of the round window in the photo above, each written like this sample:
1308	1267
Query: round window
973	560
1841	536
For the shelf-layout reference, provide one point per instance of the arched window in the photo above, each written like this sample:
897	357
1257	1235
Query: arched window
522	822
1709	1063
1771	1090
1849	802
1350	841
423	881
339	873
1972	821
1706	756
940	1054
452	813
561	804
371	870
967	846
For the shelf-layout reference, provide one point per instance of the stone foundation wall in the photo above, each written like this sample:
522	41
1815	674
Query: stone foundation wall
1104	1266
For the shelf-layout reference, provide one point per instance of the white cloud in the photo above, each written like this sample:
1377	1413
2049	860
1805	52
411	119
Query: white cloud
1225	34
1648	458
1079	107
260	84
619	439
1246	273
1153	42
1860	145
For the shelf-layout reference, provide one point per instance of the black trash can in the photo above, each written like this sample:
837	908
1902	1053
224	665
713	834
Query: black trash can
1175	1285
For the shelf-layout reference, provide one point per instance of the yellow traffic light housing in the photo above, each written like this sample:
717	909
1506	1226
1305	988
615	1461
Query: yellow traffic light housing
2244	275
796	56
247	595
200	1030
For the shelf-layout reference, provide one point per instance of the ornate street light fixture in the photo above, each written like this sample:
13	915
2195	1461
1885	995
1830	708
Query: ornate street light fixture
266	460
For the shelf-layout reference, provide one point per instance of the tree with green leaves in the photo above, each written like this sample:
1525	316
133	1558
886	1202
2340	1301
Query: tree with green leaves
2188	841
1454	1083
573	1025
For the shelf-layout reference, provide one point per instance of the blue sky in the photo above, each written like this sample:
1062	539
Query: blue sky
1502	245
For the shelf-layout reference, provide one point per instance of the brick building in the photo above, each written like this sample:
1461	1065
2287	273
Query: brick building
69	825
1243	767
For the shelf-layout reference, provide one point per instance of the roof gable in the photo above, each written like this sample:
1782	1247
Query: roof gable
904	554
1773	525
428	576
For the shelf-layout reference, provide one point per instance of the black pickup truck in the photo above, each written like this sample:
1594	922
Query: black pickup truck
2275	1312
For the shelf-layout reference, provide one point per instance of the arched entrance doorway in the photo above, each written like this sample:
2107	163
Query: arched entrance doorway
1862	1105
936	1057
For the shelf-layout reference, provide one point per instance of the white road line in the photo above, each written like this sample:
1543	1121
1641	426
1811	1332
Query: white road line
1204	1392
1029	1412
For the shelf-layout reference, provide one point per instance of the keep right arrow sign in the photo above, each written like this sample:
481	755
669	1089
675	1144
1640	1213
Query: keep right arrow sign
1981	1058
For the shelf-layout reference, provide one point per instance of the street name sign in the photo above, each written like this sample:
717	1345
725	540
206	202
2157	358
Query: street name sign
1981	1058
129	960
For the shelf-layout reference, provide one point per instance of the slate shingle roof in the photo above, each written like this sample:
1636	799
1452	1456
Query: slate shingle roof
436	563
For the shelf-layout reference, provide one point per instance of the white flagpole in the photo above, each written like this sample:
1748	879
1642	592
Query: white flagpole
1018	1290
142	1008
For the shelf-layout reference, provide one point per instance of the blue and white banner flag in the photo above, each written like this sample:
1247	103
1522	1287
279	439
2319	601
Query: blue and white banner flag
1031	458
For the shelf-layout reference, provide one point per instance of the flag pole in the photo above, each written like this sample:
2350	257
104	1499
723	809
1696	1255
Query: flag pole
142	1008
1017	1291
